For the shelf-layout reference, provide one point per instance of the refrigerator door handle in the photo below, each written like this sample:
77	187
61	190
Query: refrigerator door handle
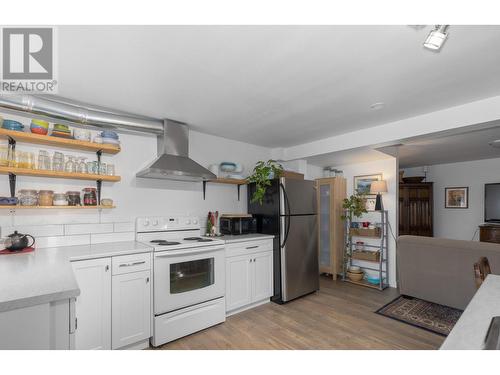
286	224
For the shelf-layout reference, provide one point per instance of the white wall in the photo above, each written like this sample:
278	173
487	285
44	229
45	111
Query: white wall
460	224
134	196
389	169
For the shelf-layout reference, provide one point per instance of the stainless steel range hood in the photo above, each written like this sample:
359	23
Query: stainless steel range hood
173	162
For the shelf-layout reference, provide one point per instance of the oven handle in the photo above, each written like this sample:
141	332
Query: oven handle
169	254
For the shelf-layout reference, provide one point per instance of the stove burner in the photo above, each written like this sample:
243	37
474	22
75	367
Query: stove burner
198	239
165	242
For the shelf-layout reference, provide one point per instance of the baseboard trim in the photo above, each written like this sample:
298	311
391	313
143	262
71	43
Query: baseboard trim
247	307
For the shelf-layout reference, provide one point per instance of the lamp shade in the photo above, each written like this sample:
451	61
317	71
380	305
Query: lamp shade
378	187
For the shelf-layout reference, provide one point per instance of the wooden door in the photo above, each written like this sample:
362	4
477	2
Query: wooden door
131	307
93	305
416	209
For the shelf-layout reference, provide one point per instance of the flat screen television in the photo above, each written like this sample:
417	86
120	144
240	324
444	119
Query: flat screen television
492	203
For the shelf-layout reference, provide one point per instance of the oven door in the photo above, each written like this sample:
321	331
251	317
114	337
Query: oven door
187	277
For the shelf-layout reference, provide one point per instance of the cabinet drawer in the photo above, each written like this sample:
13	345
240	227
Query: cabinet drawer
131	263
248	247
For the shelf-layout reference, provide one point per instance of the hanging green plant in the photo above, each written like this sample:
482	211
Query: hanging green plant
262	175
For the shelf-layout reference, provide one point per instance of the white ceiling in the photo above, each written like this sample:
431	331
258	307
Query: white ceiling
276	86
447	149
353	156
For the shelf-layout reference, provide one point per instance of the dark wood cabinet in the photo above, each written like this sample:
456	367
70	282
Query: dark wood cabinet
489	233
415	209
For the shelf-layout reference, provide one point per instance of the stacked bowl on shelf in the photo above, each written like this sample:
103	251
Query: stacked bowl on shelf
12	125
108	137
61	131
39	127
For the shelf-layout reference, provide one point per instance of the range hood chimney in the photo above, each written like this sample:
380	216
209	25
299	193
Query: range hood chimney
173	162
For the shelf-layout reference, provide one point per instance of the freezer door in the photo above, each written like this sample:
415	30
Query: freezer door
299	257
298	197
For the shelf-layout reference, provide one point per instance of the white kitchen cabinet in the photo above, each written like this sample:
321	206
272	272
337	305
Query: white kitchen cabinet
131	317
238	282
93	306
249	275
262	276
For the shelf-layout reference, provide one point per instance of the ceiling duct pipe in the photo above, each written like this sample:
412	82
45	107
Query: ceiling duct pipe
80	113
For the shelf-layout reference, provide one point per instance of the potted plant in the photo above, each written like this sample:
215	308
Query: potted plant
262	175
355	206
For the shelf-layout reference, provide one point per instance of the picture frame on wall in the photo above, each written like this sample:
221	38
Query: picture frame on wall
456	197
362	184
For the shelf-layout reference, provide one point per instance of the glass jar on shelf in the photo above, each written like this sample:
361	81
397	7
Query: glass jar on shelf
73	198
60	199
45	197
110	169
28	197
89	197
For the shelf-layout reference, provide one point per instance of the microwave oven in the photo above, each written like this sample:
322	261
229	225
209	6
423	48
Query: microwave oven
234	225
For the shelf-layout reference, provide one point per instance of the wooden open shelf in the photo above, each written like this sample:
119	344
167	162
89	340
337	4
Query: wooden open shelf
57	174
58	142
233	181
55	207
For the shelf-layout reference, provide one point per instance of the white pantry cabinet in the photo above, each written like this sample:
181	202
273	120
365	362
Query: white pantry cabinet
131	317
249	275
93	306
114	308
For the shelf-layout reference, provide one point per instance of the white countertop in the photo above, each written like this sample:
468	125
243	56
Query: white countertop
104	250
246	237
46	275
470	330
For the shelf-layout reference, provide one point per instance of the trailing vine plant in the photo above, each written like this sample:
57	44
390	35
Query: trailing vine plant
263	173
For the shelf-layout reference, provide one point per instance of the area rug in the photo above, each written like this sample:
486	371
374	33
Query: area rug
419	313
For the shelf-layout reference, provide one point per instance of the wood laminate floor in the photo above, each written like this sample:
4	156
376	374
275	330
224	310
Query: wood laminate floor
339	316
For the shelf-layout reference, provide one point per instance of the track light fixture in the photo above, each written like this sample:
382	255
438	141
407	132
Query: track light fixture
436	37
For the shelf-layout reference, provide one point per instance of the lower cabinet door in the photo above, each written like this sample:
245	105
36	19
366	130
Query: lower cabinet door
93	305
263	276
131	318
238	282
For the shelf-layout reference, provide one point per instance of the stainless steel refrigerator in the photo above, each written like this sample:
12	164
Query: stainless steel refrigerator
289	213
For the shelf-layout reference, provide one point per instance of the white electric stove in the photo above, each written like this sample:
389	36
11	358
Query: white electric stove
189	276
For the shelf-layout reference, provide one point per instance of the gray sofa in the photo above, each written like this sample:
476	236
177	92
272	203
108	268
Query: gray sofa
441	270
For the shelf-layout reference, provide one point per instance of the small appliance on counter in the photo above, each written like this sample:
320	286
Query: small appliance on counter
234	224
18	241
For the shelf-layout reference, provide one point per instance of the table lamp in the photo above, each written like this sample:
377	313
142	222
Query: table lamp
378	187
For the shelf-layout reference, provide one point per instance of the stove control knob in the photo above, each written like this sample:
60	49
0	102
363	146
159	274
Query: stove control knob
146	222
188	222
195	221
155	222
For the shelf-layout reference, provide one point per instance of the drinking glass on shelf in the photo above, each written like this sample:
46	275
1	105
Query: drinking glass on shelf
43	160
58	161
70	165
4	156
102	168
82	166
90	167
110	169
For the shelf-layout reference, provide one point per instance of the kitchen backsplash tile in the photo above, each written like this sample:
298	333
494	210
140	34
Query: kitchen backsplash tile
34	230
112	237
124	227
72	229
55	241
